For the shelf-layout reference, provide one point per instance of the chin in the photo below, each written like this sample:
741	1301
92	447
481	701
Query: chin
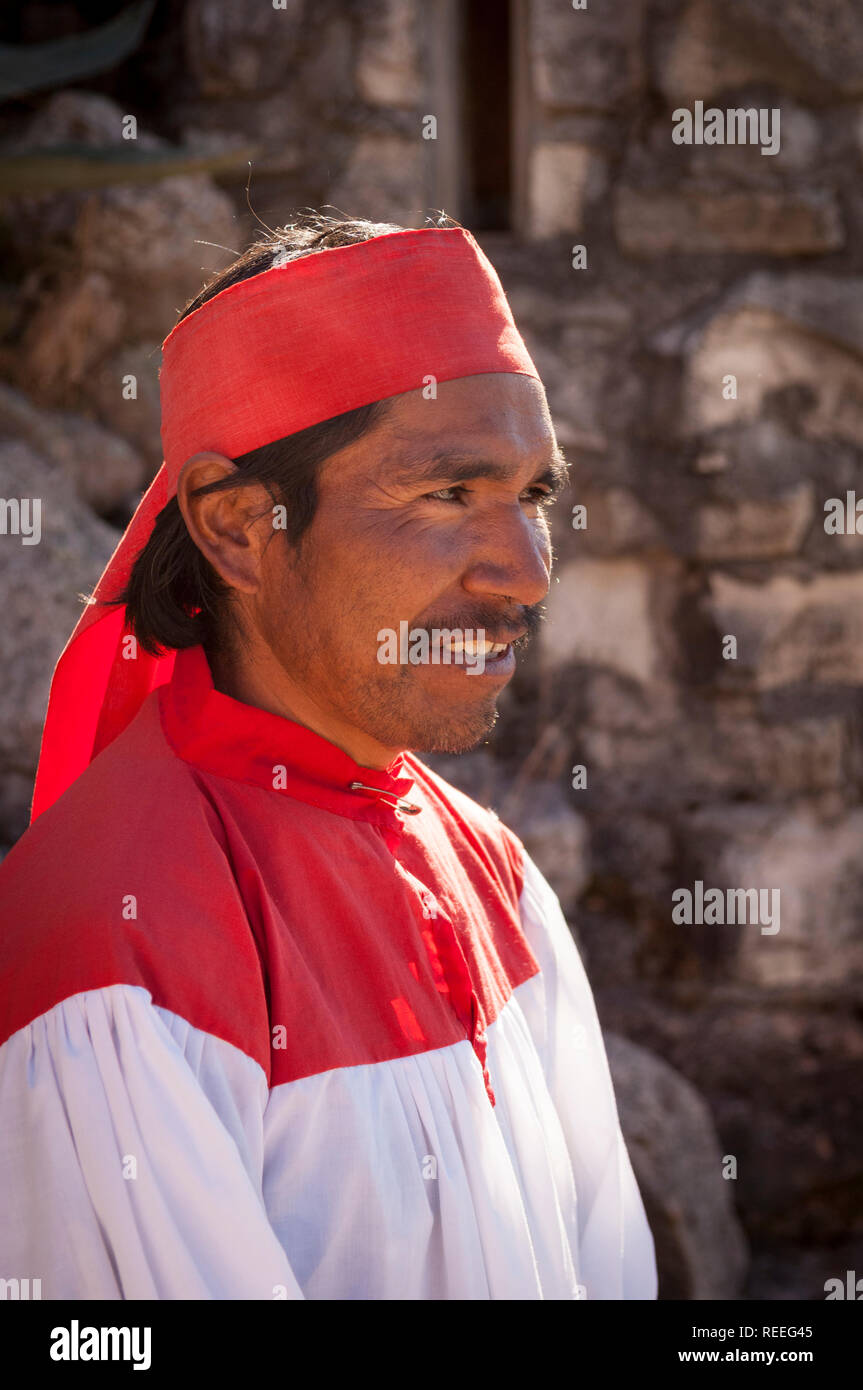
422	721
453	736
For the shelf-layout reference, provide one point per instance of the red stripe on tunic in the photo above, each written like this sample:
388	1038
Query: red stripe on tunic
248	911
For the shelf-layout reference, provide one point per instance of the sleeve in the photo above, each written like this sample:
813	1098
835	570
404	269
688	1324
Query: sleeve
616	1250
131	1158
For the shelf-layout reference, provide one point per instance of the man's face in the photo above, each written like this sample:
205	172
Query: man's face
403	537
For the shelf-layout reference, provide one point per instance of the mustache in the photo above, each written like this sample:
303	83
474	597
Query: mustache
515	626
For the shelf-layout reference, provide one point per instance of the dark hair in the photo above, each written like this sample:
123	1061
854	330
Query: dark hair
174	598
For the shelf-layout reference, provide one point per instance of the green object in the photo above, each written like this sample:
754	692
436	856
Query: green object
36	67
77	168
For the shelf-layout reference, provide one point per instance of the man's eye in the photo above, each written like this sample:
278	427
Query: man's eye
445	494
539	495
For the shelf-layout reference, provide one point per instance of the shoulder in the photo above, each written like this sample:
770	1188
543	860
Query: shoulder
136	811
126	880
479	825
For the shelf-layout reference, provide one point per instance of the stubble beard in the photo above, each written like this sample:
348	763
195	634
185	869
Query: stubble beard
399	715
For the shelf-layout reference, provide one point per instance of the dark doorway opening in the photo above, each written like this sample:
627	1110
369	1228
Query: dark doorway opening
486	88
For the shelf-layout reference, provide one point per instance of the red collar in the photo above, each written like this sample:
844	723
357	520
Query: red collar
232	739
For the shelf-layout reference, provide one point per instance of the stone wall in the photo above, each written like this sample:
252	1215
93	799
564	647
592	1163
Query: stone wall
703	357
705	519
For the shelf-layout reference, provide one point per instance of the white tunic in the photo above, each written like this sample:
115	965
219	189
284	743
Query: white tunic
161	1138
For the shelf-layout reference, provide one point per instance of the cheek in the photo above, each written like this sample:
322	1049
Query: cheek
359	571
382	561
336	600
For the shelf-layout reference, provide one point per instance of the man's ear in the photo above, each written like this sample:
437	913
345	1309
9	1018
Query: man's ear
221	522
199	470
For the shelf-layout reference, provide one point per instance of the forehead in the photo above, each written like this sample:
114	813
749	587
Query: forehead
499	420
495	403
502	415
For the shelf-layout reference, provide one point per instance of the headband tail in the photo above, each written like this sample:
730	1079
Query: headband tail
96	688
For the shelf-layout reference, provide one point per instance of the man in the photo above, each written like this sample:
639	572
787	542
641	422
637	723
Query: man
284	1014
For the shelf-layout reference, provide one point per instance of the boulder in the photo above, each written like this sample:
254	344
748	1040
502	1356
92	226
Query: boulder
40	584
114	264
779	1076
123	390
108	474
155	243
77	320
701	1251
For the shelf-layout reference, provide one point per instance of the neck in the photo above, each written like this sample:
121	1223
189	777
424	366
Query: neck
257	678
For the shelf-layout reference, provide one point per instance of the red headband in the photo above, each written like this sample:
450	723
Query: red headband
286	349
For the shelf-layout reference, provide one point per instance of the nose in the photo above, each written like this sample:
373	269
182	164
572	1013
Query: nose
511	558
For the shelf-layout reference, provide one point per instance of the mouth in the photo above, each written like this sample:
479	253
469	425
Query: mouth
481	656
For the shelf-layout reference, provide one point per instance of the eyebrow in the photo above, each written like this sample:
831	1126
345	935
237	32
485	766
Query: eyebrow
455	466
